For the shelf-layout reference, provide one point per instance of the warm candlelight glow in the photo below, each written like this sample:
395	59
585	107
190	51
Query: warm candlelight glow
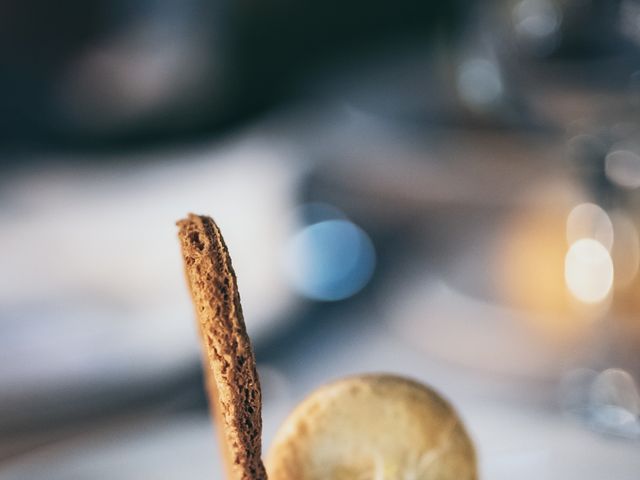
588	270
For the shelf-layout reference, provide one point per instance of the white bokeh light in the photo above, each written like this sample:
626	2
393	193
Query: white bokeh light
622	167
588	220
588	270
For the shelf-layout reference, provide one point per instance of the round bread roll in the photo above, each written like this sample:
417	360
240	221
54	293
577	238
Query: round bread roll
372	427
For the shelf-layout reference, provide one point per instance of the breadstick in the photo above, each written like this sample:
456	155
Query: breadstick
233	388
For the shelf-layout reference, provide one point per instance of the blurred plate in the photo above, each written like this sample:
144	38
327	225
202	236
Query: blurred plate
92	295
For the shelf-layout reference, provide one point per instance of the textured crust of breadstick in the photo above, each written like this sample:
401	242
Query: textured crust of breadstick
229	364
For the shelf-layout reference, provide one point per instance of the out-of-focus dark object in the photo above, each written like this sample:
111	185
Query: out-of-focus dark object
115	70
567	28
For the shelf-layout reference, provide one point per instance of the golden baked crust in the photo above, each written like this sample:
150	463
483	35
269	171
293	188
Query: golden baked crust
229	365
372	427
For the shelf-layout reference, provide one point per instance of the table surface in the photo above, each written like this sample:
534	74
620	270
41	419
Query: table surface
514	437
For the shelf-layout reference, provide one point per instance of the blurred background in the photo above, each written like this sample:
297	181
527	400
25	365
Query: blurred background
444	190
